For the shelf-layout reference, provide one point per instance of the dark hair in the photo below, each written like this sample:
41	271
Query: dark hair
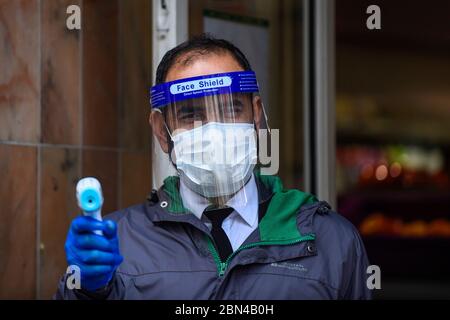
201	45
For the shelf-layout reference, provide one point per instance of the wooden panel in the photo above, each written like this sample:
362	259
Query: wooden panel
136	177
18	222
60	169
19	76
61	92
100	65
135	74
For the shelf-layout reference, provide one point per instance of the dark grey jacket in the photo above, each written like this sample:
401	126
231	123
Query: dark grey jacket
301	250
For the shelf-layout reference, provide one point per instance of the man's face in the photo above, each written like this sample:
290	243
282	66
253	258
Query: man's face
187	114
245	108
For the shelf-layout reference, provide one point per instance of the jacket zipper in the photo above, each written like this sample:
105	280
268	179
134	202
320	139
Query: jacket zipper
222	266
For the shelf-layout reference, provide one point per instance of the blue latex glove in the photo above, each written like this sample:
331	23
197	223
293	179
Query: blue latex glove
97	256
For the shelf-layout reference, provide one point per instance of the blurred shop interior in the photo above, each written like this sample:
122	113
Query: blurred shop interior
74	104
393	141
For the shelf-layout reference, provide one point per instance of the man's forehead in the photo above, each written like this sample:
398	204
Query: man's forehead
203	65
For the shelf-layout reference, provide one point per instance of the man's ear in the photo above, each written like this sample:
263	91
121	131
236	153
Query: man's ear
257	111
156	121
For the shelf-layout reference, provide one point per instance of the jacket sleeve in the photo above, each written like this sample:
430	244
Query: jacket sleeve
357	288
115	290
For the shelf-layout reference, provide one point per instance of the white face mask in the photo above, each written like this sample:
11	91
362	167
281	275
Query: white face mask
216	159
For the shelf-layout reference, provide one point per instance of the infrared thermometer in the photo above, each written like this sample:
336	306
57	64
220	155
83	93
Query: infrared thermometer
90	198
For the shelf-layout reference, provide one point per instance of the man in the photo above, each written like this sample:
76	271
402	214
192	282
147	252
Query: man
220	229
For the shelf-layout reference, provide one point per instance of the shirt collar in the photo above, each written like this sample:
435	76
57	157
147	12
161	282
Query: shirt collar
244	202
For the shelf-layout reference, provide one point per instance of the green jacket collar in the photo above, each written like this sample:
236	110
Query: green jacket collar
279	223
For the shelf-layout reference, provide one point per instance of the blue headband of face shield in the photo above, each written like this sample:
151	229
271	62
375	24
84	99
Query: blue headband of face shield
203	86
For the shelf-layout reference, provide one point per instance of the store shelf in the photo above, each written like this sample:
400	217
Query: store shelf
350	137
405	204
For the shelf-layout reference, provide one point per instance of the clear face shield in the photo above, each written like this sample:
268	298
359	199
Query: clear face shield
212	126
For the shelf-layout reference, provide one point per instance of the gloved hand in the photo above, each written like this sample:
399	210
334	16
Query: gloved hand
97	256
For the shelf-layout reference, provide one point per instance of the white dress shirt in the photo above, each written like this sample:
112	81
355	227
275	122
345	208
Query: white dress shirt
240	223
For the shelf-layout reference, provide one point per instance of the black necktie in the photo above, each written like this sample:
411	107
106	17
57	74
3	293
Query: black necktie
216	216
